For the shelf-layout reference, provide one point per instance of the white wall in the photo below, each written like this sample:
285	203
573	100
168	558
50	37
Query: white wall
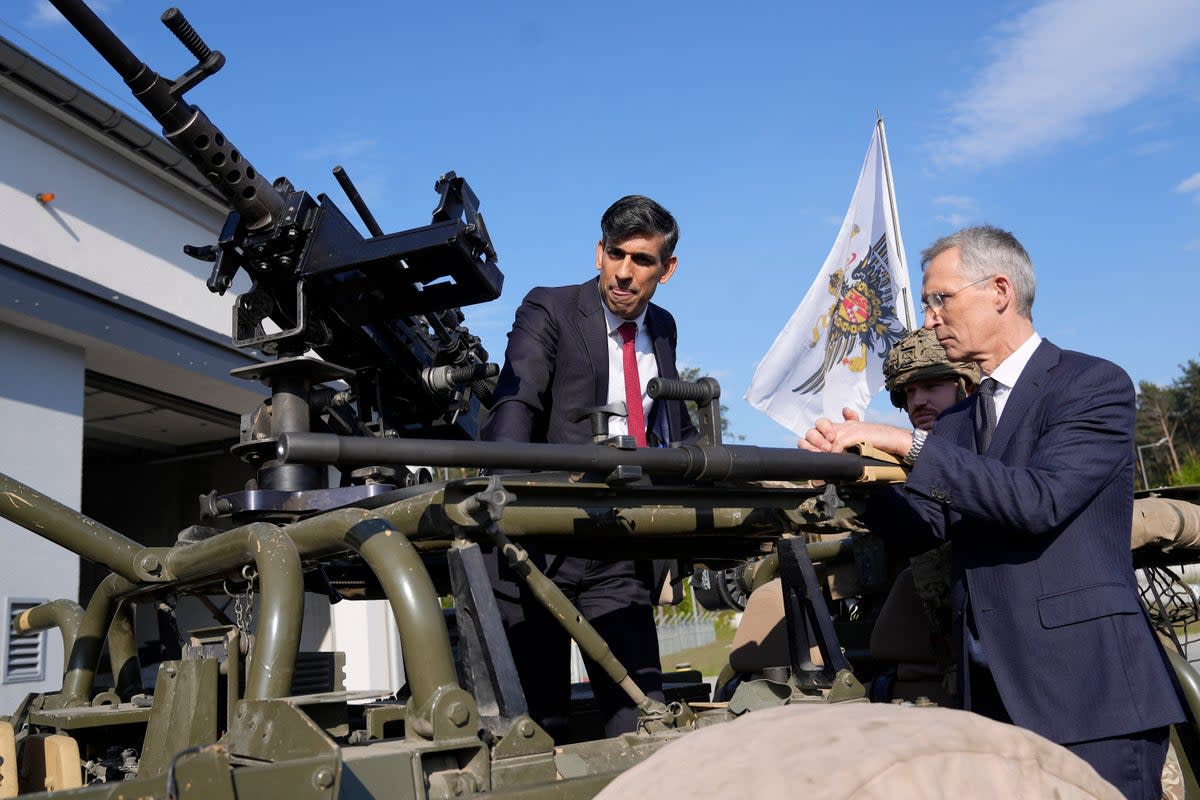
41	444
110	221
366	631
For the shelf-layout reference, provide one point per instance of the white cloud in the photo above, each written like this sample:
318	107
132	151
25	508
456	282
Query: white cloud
339	150
1192	246
1062	64
954	201
954	220
1153	148
44	14
1192	184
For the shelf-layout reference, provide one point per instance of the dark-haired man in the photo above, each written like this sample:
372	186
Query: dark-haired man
1032	479
583	346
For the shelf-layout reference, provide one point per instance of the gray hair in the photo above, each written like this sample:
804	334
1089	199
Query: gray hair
985	251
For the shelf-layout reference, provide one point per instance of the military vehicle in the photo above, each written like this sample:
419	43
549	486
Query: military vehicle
372	369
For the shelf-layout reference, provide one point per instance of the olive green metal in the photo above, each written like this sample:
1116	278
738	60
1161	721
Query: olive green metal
590	642
62	614
765	570
65	526
281	604
85	654
829	551
424	640
184	714
1189	682
122	653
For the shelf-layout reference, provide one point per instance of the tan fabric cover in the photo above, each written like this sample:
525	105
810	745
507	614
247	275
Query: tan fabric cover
1165	523
902	632
760	640
862	751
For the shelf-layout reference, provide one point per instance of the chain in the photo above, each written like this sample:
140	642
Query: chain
243	603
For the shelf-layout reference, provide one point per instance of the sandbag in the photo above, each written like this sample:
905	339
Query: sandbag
863	751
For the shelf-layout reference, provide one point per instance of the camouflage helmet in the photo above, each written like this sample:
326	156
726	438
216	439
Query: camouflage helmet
920	357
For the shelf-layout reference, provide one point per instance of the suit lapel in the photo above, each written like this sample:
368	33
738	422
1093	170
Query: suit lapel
666	369
1028	389
593	333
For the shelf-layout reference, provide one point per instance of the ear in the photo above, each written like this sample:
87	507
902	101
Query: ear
599	253
668	270
1005	293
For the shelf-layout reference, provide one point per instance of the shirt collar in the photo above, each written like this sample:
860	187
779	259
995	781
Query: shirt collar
615	322
1010	369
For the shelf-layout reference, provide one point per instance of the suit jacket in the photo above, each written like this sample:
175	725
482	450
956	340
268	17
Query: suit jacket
1040	527
557	361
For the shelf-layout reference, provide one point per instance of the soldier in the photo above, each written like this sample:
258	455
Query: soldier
923	381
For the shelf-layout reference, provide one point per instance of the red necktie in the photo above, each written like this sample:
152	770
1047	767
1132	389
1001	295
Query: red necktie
633	384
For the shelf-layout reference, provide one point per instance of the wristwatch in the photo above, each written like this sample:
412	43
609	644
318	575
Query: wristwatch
910	458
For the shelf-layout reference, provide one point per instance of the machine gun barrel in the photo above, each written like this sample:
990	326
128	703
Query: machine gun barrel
184	125
718	462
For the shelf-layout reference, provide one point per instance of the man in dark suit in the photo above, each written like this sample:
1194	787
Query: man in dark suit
1032	479
571	347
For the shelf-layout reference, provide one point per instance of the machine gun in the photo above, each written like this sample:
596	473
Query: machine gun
381	312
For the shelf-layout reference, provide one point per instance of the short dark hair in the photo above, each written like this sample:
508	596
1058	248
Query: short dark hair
636	214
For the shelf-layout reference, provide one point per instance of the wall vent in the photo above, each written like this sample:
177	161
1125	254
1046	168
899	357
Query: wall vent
24	654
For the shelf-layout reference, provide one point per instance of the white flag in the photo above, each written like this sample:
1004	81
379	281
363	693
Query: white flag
830	353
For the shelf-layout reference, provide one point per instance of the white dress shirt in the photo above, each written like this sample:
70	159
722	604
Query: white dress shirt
1009	370
647	367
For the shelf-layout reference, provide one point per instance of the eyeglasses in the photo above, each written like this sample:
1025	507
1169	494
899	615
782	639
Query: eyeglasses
935	301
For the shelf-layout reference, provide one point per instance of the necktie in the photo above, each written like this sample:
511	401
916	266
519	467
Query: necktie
633	384
985	414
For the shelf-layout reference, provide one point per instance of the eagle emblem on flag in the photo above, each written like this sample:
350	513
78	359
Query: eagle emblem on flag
861	318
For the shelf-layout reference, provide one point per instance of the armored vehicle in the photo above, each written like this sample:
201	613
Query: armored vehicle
371	369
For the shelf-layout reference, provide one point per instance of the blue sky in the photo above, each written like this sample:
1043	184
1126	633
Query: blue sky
1072	123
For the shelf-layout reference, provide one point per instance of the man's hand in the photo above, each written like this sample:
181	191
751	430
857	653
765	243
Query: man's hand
828	436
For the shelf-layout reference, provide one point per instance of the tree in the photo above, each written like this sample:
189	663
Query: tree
1157	421
692	374
1187	409
1170	414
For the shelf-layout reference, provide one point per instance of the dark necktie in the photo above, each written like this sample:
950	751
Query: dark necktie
985	414
633	384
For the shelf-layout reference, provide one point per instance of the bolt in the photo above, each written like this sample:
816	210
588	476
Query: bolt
150	564
458	713
525	728
323	778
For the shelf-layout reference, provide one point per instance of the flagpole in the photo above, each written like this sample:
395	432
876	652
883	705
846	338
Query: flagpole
895	214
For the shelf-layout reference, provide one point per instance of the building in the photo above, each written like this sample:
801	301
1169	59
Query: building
116	397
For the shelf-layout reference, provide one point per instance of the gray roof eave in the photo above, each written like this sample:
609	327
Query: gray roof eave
90	115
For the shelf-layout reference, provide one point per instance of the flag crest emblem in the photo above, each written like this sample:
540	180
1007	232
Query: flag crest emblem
861	318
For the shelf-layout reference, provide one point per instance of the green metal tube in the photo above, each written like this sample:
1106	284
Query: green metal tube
1189	682
89	640
424	641
281	609
384	546
829	551
122	653
62	614
587	637
65	526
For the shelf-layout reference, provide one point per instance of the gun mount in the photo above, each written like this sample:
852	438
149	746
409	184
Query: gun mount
242	711
381	313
